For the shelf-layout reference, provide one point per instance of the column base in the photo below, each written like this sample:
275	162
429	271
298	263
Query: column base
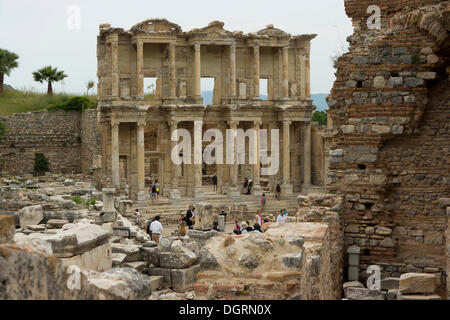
234	192
287	189
142	195
174	194
198	193
257	191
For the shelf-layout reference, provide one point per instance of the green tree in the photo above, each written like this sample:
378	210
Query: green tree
8	61
41	164
89	86
49	75
320	117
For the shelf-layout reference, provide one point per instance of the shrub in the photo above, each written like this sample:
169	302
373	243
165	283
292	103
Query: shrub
74	103
90	202
41	164
77	200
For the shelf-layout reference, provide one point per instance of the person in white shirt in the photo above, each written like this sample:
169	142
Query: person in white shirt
156	229
281	217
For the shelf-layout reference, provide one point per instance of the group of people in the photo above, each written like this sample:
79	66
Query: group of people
155	229
248	185
154	191
261	225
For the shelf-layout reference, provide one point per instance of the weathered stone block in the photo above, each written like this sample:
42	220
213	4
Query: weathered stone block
177	260
183	280
31	215
7	229
355	293
132	251
417	283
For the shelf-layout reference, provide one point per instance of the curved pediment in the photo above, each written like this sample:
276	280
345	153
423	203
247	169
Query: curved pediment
271	31
157	26
215	27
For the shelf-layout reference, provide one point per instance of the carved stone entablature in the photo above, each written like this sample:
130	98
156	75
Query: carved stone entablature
215	27
270	32
156	26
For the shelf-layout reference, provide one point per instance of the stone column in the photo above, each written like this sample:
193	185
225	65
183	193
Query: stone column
256	71
307	76
307	155
140	68
286	187
285	73
115	167
173	86
115	65
302	75
219	167
256	168
174	193
141	194
197	73
233	70
198	152
234	189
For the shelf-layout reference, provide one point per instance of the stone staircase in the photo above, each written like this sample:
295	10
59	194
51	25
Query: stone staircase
170	210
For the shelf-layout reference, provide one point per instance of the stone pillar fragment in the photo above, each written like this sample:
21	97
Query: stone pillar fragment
115	170
204	217
234	189
109	213
286	187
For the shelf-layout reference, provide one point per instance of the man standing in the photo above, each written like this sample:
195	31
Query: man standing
281	217
156	229
259	218
189	216
215	182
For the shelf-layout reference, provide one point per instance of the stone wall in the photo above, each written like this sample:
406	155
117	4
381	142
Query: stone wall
68	139
390	149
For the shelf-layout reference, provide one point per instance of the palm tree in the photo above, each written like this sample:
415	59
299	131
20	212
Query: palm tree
89	86
49	75
8	61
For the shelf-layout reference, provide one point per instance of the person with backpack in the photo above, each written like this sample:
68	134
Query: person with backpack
157	190
156	229
263	202
154	192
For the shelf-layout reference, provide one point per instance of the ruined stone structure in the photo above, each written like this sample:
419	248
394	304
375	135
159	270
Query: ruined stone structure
390	151
136	132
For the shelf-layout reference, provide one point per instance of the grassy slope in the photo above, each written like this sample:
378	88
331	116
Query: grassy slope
15	101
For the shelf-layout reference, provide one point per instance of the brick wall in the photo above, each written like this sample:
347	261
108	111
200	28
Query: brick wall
62	136
390	153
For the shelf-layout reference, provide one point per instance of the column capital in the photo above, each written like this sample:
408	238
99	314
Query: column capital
197	46
233	124
115	123
287	122
257	123
173	123
140	124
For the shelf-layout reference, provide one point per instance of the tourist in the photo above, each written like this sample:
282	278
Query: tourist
154	192
215	182
248	228
216	226
265	226
259	219
157	190
263	202
278	192
156	229
281	217
127	189
137	216
257	228
249	188
182	230
193	216
244	227
246	186
188	217
237	228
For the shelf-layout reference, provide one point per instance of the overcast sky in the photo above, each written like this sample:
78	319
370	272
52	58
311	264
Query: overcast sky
38	31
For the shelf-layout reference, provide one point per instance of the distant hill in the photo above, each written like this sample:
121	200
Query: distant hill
319	99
